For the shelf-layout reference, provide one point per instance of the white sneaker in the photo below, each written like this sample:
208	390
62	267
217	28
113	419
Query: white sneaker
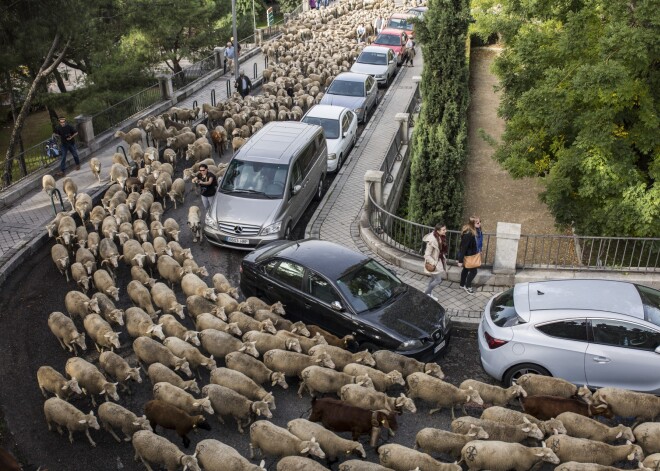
434	298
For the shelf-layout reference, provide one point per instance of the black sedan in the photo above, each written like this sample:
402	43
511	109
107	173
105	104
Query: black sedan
346	292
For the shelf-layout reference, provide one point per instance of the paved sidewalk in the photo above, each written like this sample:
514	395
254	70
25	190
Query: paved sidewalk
22	226
337	217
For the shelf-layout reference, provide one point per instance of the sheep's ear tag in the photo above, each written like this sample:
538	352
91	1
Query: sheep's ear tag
82	421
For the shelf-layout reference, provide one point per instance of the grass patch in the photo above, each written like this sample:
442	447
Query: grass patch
37	128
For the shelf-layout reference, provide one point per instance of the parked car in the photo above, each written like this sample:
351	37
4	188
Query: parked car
590	332
268	185
346	292
379	62
358	92
402	22
340	128
394	39
418	12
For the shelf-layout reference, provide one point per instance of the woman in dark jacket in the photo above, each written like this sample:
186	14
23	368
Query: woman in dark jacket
468	247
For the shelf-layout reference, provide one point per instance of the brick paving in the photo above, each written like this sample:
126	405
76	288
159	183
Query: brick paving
336	219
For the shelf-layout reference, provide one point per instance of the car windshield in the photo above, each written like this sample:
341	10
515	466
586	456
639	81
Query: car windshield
400	23
346	88
651	301
374	58
330	126
388	40
503	310
255	179
370	286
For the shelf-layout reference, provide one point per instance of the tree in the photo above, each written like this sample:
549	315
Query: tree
439	146
580	87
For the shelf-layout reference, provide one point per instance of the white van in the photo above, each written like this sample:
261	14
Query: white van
268	185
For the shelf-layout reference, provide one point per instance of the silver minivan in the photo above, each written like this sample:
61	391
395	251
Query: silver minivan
268	185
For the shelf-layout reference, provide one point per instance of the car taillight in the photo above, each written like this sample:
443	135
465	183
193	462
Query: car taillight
492	342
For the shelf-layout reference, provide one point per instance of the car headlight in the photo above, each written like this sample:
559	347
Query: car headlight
410	345
272	229
332	156
358	110
380	76
210	222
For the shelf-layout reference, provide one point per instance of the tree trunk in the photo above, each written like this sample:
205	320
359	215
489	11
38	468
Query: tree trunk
59	80
12	105
44	70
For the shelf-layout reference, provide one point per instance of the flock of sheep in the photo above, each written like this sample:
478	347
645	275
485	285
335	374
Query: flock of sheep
305	59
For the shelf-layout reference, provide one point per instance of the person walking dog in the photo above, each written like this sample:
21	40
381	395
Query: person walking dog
67	135
469	257
435	257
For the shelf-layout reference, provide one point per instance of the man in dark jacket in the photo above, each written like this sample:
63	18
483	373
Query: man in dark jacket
67	135
208	184
243	84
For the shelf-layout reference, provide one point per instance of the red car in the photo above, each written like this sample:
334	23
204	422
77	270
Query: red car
394	39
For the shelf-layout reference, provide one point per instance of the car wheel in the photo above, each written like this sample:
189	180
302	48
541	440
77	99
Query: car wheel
368	346
287	232
340	161
517	371
319	190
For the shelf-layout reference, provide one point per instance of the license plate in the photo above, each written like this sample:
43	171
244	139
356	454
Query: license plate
439	347
234	240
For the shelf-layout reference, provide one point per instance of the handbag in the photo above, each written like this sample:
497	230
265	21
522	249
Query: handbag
472	261
429	266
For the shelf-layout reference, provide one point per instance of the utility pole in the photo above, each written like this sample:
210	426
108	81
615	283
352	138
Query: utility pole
233	20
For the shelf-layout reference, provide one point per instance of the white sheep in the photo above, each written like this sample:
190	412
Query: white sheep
51	380
65	330
382	381
433	440
590	451
191	284
293	363
270	439
193	356
298	463
78	304
264	342
332	445
207	320
498	431
342	357
173	328
95	166
130	137
369	399
652	461
119	369
504	456
159	373
226	401
648	436
139	324
114	416
580	426
494	395
108	310
195	222
540	385
151	448
254	369
387	361
90	379
214	455
441	393
178	397
100	332
242	384
624	403
220	344
149	351
60	256
359	465
62	414
317	379
402	458
513	417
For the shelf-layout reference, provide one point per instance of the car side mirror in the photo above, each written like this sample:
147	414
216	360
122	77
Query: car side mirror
336	305
657	350
295	189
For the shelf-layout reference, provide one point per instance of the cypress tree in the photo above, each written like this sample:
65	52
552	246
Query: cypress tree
439	146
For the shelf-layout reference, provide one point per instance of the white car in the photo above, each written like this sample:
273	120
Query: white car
340	128
379	62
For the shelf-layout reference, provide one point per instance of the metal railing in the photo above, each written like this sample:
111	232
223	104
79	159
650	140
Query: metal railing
407	235
125	109
193	72
534	251
25	163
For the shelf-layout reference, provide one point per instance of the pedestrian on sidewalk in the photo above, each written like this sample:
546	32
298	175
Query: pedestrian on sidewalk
379	24
409	53
243	85
229	57
208	184
435	257
67	135
468	250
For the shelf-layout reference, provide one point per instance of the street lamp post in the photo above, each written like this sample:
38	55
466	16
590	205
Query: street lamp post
233	21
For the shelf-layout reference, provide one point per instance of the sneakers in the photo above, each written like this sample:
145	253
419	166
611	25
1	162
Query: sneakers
77	167
434	298
468	290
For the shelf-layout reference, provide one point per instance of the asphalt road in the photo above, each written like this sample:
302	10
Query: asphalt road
26	343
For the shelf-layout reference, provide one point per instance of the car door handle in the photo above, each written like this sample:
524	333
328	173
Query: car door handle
599	359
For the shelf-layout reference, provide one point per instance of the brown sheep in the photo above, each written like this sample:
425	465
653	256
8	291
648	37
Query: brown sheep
171	417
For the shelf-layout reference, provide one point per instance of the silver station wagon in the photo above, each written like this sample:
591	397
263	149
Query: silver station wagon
590	332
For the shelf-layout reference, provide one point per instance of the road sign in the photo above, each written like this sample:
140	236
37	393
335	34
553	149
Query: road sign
269	16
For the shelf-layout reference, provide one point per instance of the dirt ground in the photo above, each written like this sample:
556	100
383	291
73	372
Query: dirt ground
491	193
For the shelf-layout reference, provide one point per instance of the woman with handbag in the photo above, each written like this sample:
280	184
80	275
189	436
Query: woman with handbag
435	257
469	257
